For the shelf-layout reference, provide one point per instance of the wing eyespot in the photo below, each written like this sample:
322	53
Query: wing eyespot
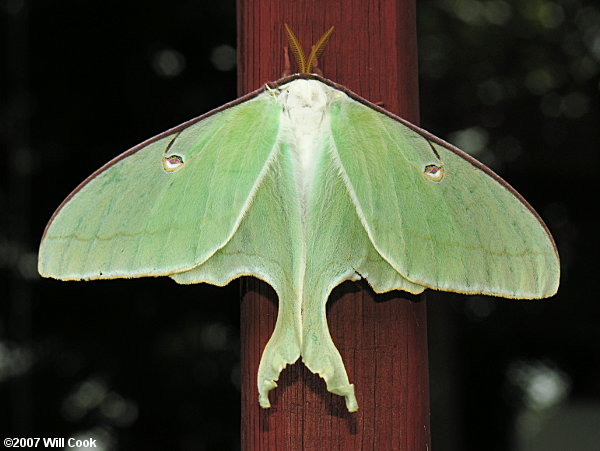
434	172
172	163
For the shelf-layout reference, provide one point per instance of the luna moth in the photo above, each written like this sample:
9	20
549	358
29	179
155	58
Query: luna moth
303	184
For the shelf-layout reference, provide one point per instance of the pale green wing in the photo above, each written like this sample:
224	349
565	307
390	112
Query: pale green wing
337	249
168	204
268	245
437	216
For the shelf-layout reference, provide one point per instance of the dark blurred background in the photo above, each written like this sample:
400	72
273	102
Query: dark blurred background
148	364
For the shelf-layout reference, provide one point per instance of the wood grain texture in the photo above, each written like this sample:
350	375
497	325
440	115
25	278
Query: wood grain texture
382	338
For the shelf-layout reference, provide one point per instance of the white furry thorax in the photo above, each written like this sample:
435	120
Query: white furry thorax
306	118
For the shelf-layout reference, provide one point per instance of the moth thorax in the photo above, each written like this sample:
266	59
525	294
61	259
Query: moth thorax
305	109
304	103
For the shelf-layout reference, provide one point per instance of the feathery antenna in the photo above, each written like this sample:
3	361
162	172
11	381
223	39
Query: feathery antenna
305	65
296	49
317	49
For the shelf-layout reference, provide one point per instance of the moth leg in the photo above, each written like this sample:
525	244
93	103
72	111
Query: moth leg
315	66
287	66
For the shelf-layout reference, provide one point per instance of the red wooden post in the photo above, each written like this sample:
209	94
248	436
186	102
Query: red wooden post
382	339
